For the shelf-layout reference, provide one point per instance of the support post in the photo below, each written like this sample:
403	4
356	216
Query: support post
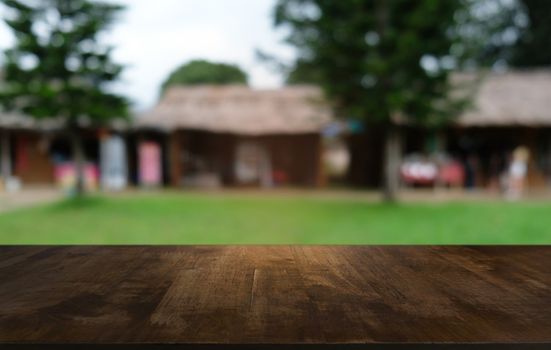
5	156
79	162
320	176
175	158
393	155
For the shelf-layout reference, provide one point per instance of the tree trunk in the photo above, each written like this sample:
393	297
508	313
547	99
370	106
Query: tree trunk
78	161
392	159
5	167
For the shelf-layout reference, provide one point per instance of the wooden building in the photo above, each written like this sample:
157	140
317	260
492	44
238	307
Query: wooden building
30	149
509	110
238	136
24	149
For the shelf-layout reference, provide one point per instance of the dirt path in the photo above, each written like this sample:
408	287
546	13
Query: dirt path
28	197
35	196
362	195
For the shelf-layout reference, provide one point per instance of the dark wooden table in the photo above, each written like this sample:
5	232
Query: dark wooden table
269	297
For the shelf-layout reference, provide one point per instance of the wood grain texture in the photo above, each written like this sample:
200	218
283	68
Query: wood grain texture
265	296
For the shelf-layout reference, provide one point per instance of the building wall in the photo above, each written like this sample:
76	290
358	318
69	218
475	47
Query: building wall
366	159
486	149
488	144
297	156
206	152
32	160
192	152
482	146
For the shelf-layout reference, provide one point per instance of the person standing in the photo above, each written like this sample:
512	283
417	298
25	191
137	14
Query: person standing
517	172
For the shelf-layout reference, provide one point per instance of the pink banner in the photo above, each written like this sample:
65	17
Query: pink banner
150	164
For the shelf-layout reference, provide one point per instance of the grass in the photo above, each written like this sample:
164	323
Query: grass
236	219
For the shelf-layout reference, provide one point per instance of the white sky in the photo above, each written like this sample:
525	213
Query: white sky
155	36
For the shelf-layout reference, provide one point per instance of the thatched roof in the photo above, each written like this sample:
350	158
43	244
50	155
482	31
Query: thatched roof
513	98
18	121
240	110
15	121
520	98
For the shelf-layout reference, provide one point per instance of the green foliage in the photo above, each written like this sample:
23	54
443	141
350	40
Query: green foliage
58	68
199	72
303	72
297	73
487	31
505	33
534	45
376	60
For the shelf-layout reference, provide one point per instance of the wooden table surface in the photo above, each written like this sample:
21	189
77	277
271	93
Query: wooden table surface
267	297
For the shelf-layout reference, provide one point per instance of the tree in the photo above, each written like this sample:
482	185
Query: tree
59	69
199	72
379	61
533	48
505	33
488	31
298	72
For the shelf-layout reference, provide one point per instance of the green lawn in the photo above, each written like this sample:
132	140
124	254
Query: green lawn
186	218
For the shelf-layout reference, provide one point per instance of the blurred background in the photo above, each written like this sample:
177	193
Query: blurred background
275	121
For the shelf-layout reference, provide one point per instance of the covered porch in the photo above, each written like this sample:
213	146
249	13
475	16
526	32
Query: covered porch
212	136
222	159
